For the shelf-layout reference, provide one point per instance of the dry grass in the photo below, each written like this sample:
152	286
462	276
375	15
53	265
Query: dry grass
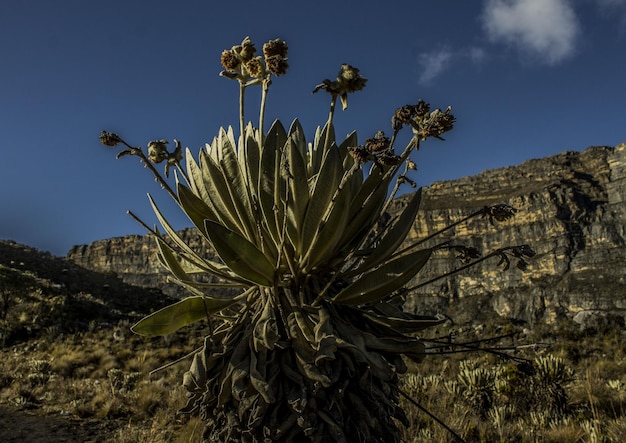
100	375
95	372
487	399
90	375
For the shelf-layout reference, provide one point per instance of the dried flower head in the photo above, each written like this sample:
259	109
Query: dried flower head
229	60
501	212
350	79
431	124
388	159
157	151
520	252
246	50
416	116
410	165
277	65
360	154
421	109
275	47
466	253
441	122
402	116
523	251
255	67
109	139
378	143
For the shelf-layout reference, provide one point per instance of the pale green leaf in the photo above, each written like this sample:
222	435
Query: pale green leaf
365	209
296	133
270	161
180	314
240	255
209	266
326	185
383	281
324	138
298	193
194	207
394	236
216	186
169	258
350	141
252	160
237	190
196	181
328	238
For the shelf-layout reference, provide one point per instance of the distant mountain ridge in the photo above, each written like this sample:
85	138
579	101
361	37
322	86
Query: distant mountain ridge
571	211
56	296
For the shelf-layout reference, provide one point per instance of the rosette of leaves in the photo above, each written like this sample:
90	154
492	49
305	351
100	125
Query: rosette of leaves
310	344
306	349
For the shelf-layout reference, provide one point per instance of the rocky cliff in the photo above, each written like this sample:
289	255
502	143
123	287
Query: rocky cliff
134	259
571	209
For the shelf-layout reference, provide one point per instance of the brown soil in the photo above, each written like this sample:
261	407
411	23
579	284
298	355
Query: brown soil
23	426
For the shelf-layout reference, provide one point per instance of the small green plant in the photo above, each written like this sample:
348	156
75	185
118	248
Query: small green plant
552	375
304	298
14	284
478	387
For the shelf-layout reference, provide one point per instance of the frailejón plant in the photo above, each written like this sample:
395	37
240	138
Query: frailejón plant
310	345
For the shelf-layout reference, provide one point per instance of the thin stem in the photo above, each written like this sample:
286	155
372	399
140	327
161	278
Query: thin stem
436	233
471	348
393	139
142	223
172	363
158	177
162	182
392	196
242	89
333	103
496	253
433	416
442	340
183	173
265	88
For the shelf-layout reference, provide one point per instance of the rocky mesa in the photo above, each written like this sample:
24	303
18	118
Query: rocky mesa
571	209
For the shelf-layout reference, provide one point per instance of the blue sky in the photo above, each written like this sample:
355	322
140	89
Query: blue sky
525	78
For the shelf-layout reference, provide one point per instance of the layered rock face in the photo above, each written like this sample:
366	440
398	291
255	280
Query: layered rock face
571	209
134	259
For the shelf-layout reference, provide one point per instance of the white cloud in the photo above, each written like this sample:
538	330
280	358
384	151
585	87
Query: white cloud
434	63
547	30
477	55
